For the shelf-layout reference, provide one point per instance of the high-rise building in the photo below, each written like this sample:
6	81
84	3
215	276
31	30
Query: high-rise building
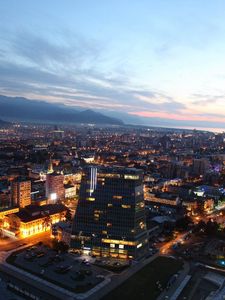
55	187
201	166
110	217
21	192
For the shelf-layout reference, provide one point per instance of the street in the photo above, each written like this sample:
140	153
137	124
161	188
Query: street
7	245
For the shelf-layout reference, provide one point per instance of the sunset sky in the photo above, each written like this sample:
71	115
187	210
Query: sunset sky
150	62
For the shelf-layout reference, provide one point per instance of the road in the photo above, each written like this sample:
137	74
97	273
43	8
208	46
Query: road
216	215
14	244
165	248
176	285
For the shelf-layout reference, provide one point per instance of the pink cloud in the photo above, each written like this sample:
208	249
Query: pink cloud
178	116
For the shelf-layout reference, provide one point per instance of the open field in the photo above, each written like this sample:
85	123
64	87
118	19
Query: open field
143	284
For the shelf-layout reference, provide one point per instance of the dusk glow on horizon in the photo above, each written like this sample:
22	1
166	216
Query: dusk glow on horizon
158	63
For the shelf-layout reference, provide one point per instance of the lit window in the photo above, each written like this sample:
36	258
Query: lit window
121	246
112	245
90	199
119	242
142	225
110	205
126	206
117	197
132	177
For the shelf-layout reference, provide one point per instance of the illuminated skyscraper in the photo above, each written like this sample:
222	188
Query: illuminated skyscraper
110	217
54	187
21	192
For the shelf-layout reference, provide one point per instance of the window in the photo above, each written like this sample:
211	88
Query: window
132	177
125	206
90	199
117	197
121	246
121	242
142	225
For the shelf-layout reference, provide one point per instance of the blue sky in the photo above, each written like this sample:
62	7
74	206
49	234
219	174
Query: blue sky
152	62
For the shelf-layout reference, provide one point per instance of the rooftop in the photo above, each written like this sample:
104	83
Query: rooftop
34	212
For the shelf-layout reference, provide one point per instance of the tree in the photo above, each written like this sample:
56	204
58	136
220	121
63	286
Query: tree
60	246
46	222
183	222
68	215
212	228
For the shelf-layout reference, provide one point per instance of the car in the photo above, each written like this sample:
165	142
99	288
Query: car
41	254
63	269
88	272
100	276
22	244
46	264
29	257
171	281
33	247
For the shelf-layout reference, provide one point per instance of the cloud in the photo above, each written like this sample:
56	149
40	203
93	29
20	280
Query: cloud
66	70
204	99
70	69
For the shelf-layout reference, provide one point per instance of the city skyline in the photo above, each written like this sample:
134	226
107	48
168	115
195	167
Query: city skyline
110	212
149	63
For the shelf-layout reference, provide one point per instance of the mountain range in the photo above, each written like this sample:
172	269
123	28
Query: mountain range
22	109
4	123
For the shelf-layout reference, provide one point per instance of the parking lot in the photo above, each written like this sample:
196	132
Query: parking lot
67	270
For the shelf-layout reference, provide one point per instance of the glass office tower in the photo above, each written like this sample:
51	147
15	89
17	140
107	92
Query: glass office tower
110	217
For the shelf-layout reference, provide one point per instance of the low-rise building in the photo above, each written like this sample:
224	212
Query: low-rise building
34	219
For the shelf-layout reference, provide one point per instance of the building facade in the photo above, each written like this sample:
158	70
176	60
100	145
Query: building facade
55	187
110	217
21	192
34	219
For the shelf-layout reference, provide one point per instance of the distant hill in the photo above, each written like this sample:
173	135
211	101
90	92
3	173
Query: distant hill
22	109
4	123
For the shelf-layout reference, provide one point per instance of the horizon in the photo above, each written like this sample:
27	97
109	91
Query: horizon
151	63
